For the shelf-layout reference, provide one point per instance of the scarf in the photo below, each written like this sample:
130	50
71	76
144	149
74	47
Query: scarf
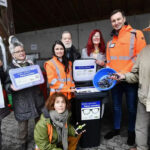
23	63
59	121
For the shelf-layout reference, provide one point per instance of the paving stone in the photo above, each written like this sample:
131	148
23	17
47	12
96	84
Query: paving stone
9	133
101	147
111	143
10	141
117	148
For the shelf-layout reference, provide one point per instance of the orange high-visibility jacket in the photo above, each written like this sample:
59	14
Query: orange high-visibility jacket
58	79
122	50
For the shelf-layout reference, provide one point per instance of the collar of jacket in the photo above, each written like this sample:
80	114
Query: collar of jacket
56	59
45	112
125	27
71	49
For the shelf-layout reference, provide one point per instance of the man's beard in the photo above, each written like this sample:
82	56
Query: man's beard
68	45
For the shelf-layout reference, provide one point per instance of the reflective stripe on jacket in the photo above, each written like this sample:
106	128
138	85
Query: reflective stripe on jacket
123	49
58	79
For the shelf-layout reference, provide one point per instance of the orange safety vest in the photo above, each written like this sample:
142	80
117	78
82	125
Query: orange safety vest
122	50
58	79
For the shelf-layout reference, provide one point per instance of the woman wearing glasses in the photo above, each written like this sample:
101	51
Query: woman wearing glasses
28	102
95	48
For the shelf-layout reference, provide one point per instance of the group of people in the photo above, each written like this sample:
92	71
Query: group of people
52	118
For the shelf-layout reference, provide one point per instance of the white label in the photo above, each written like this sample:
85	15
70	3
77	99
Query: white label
33	46
27	79
3	3
90	110
2	105
84	70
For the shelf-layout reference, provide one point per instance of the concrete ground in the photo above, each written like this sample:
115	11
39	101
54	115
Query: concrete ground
116	143
9	131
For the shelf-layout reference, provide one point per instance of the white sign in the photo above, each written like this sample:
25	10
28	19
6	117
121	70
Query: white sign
2	105
84	69
3	3
90	110
25	77
34	47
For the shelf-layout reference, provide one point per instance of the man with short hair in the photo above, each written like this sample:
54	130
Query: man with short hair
121	53
71	52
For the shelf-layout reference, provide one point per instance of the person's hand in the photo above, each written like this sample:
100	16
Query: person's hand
72	90
80	128
117	76
100	62
1	64
121	76
13	88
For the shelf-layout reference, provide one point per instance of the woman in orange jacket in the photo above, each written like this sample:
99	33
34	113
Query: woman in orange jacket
59	71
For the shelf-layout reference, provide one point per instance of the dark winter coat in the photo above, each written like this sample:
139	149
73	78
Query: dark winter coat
28	102
72	53
3	111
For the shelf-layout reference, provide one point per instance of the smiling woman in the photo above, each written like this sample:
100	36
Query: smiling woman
95	48
59	71
19	53
59	51
28	102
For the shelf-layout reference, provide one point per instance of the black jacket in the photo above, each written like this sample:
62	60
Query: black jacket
3	111
72	53
28	102
2	74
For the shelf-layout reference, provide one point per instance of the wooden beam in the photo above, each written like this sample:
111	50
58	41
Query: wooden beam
21	8
11	25
85	9
74	11
59	7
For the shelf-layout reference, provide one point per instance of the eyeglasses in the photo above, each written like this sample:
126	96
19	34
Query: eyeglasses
96	36
17	52
88	111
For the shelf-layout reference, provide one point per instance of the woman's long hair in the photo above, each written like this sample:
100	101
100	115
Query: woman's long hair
90	45
65	61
